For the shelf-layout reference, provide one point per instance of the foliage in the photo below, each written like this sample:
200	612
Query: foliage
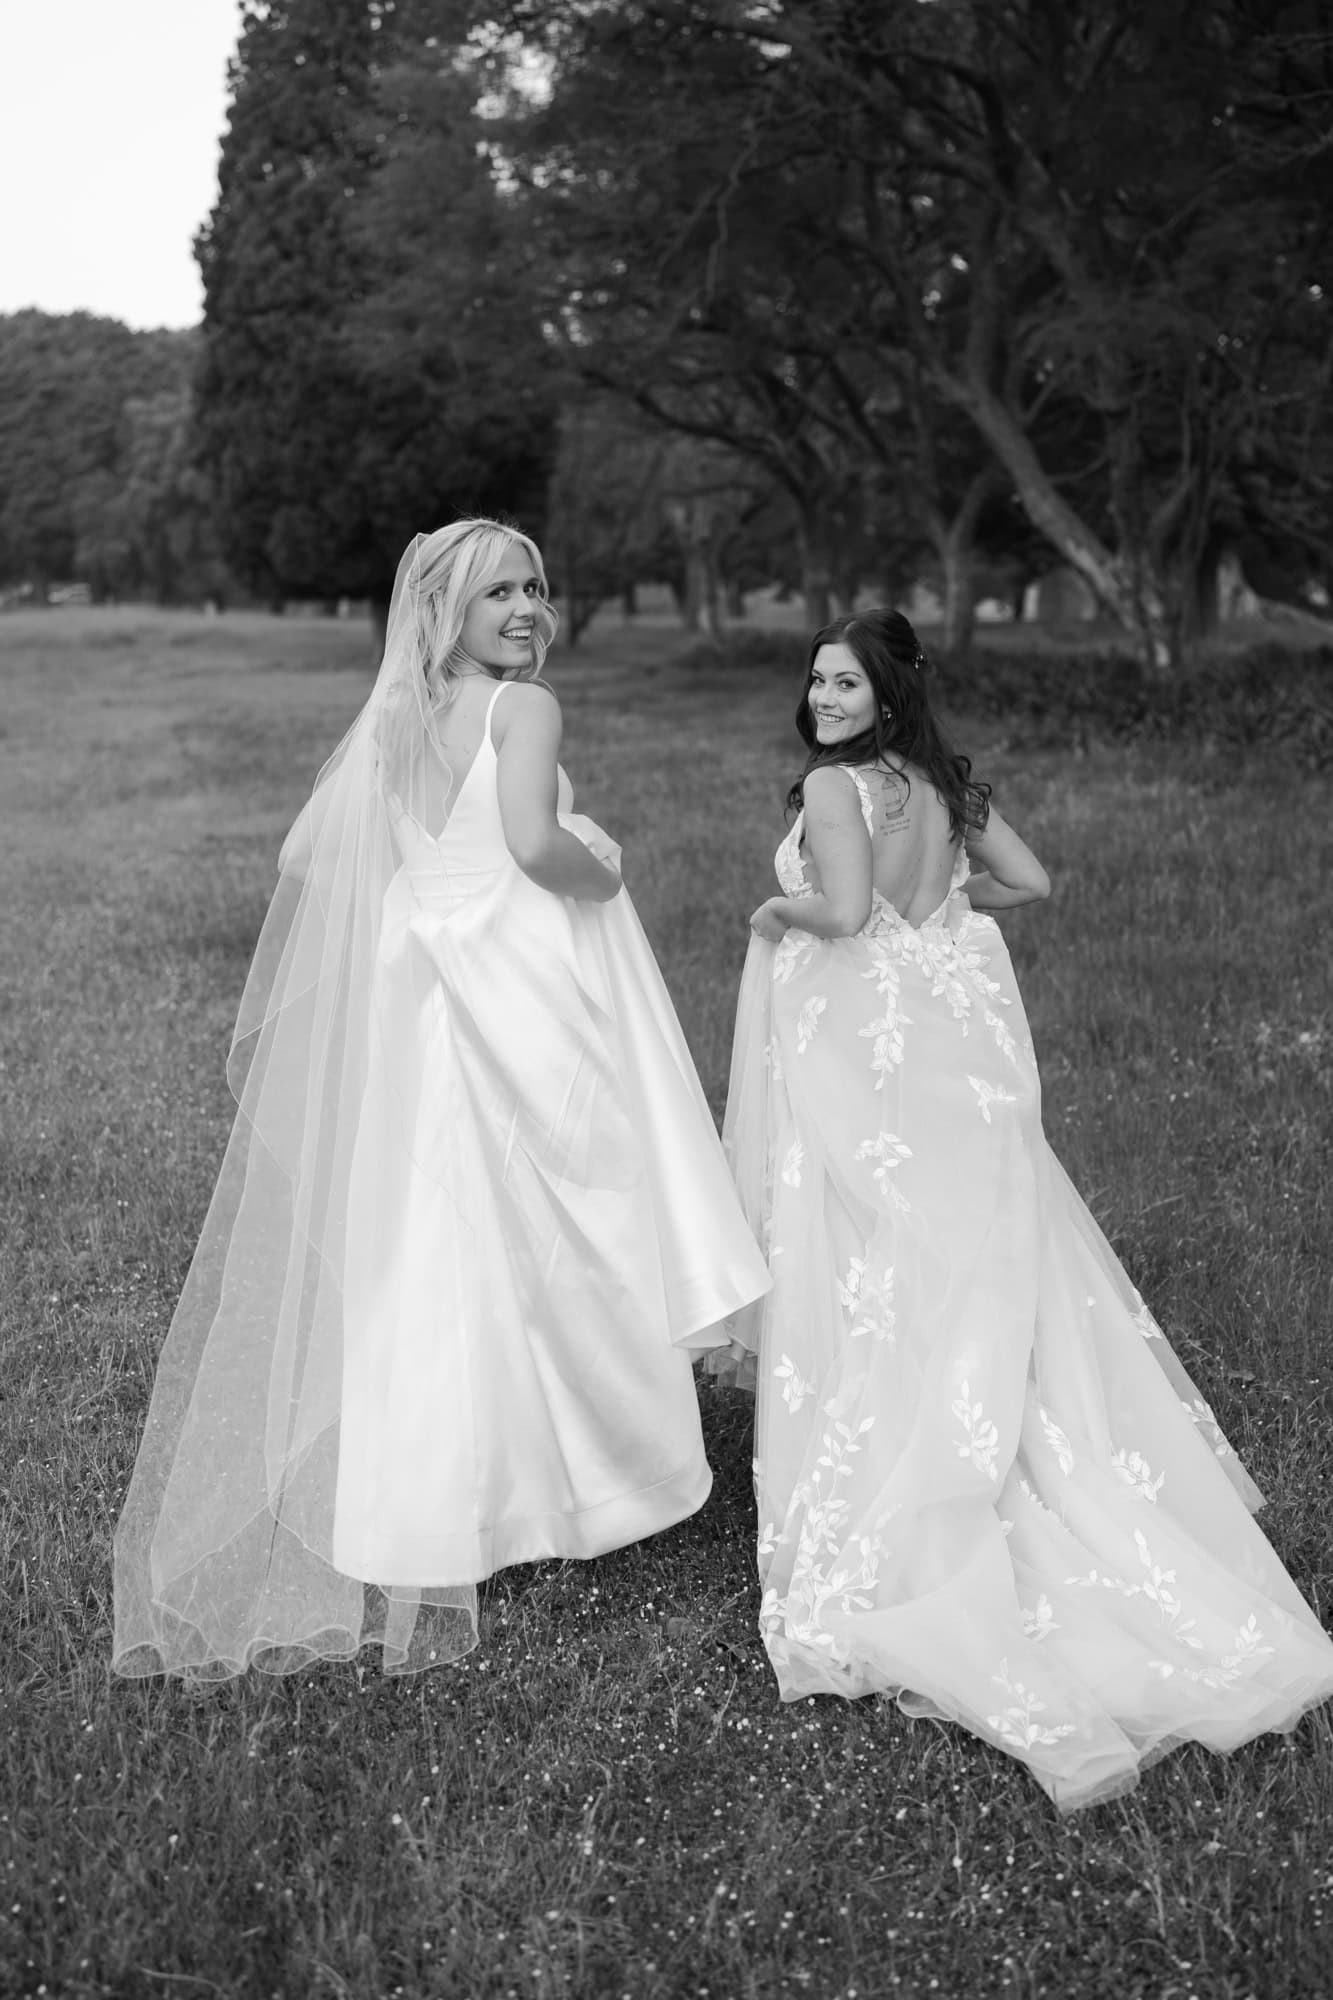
148	530
367	368
1064	256
1266	694
1038	696
69	384
607	1798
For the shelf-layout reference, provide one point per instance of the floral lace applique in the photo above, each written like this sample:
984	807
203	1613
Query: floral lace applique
1145	1322
988	1094
791	953
1030	1493
825	1569
1135	1470
1203	1419
874	1313
1015	1724
890	1152
808	1020
792	1164
887	1031
1059	1443
849	1288
1248	1647
795	1389
983	1439
1039	1621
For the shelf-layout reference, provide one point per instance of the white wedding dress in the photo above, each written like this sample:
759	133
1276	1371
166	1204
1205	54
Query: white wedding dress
540	1225
985	1483
462	1337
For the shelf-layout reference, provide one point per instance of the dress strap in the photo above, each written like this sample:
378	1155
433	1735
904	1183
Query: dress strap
863	793
490	707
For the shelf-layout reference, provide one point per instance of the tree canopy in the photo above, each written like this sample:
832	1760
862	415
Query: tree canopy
367	370
828	292
69	384
827	232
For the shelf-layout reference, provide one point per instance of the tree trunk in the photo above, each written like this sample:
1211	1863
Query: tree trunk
693	526
1131	595
1201	599
958	559
629	601
699	611
816	576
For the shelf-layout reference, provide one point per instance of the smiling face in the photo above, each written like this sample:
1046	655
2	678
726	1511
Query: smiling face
498	624
841	699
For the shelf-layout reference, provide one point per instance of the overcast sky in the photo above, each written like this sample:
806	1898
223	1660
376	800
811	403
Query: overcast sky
110	116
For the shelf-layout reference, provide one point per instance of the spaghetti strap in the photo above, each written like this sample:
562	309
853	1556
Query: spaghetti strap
862	793
490	709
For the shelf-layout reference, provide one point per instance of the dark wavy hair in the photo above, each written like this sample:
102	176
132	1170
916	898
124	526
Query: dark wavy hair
904	731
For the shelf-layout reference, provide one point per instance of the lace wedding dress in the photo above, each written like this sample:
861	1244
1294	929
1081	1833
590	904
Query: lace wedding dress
985	1483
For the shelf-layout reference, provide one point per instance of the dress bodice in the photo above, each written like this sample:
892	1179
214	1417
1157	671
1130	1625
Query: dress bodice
470	849
794	878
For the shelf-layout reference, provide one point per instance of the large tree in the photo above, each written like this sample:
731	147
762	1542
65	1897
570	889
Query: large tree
147	529
352	391
1087	231
65	382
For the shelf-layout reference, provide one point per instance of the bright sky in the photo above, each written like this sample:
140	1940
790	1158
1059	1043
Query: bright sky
110	117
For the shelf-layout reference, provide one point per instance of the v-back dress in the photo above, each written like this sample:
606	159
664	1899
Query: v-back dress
483	1355
540	1225
986	1484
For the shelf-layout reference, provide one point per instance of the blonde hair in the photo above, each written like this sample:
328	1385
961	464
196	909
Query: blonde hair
454	565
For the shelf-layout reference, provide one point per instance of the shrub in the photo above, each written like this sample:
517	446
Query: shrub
1265	695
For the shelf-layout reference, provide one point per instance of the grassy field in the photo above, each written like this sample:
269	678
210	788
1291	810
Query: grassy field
607	1799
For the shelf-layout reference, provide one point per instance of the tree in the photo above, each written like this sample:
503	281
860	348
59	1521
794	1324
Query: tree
64	383
354	385
157	537
1083	230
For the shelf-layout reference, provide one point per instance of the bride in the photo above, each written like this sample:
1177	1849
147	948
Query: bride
473	1217
985	1483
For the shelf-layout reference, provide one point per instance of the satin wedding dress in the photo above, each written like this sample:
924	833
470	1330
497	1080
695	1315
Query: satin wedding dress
985	1483
540	1225
472	1223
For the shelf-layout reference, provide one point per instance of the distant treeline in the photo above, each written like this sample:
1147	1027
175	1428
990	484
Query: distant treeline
99	482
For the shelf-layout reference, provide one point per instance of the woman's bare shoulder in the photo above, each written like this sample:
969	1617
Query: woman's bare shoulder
530	704
830	788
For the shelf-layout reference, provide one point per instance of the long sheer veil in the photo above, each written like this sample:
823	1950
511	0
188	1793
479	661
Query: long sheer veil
223	1551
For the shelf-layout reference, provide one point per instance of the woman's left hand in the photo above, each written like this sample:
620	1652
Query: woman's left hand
768	922
598	843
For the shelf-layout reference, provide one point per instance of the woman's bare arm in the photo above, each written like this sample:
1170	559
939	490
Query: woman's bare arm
1006	871
839	847
526	731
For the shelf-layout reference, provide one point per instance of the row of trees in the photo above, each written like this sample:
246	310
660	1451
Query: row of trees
828	292
951	272
99	477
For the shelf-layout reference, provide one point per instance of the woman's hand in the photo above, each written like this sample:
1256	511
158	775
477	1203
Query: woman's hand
597	841
769	921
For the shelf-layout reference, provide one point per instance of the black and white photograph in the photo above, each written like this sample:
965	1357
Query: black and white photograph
666	1019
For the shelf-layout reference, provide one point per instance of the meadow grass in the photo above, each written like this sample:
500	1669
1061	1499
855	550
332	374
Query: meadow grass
606	1798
